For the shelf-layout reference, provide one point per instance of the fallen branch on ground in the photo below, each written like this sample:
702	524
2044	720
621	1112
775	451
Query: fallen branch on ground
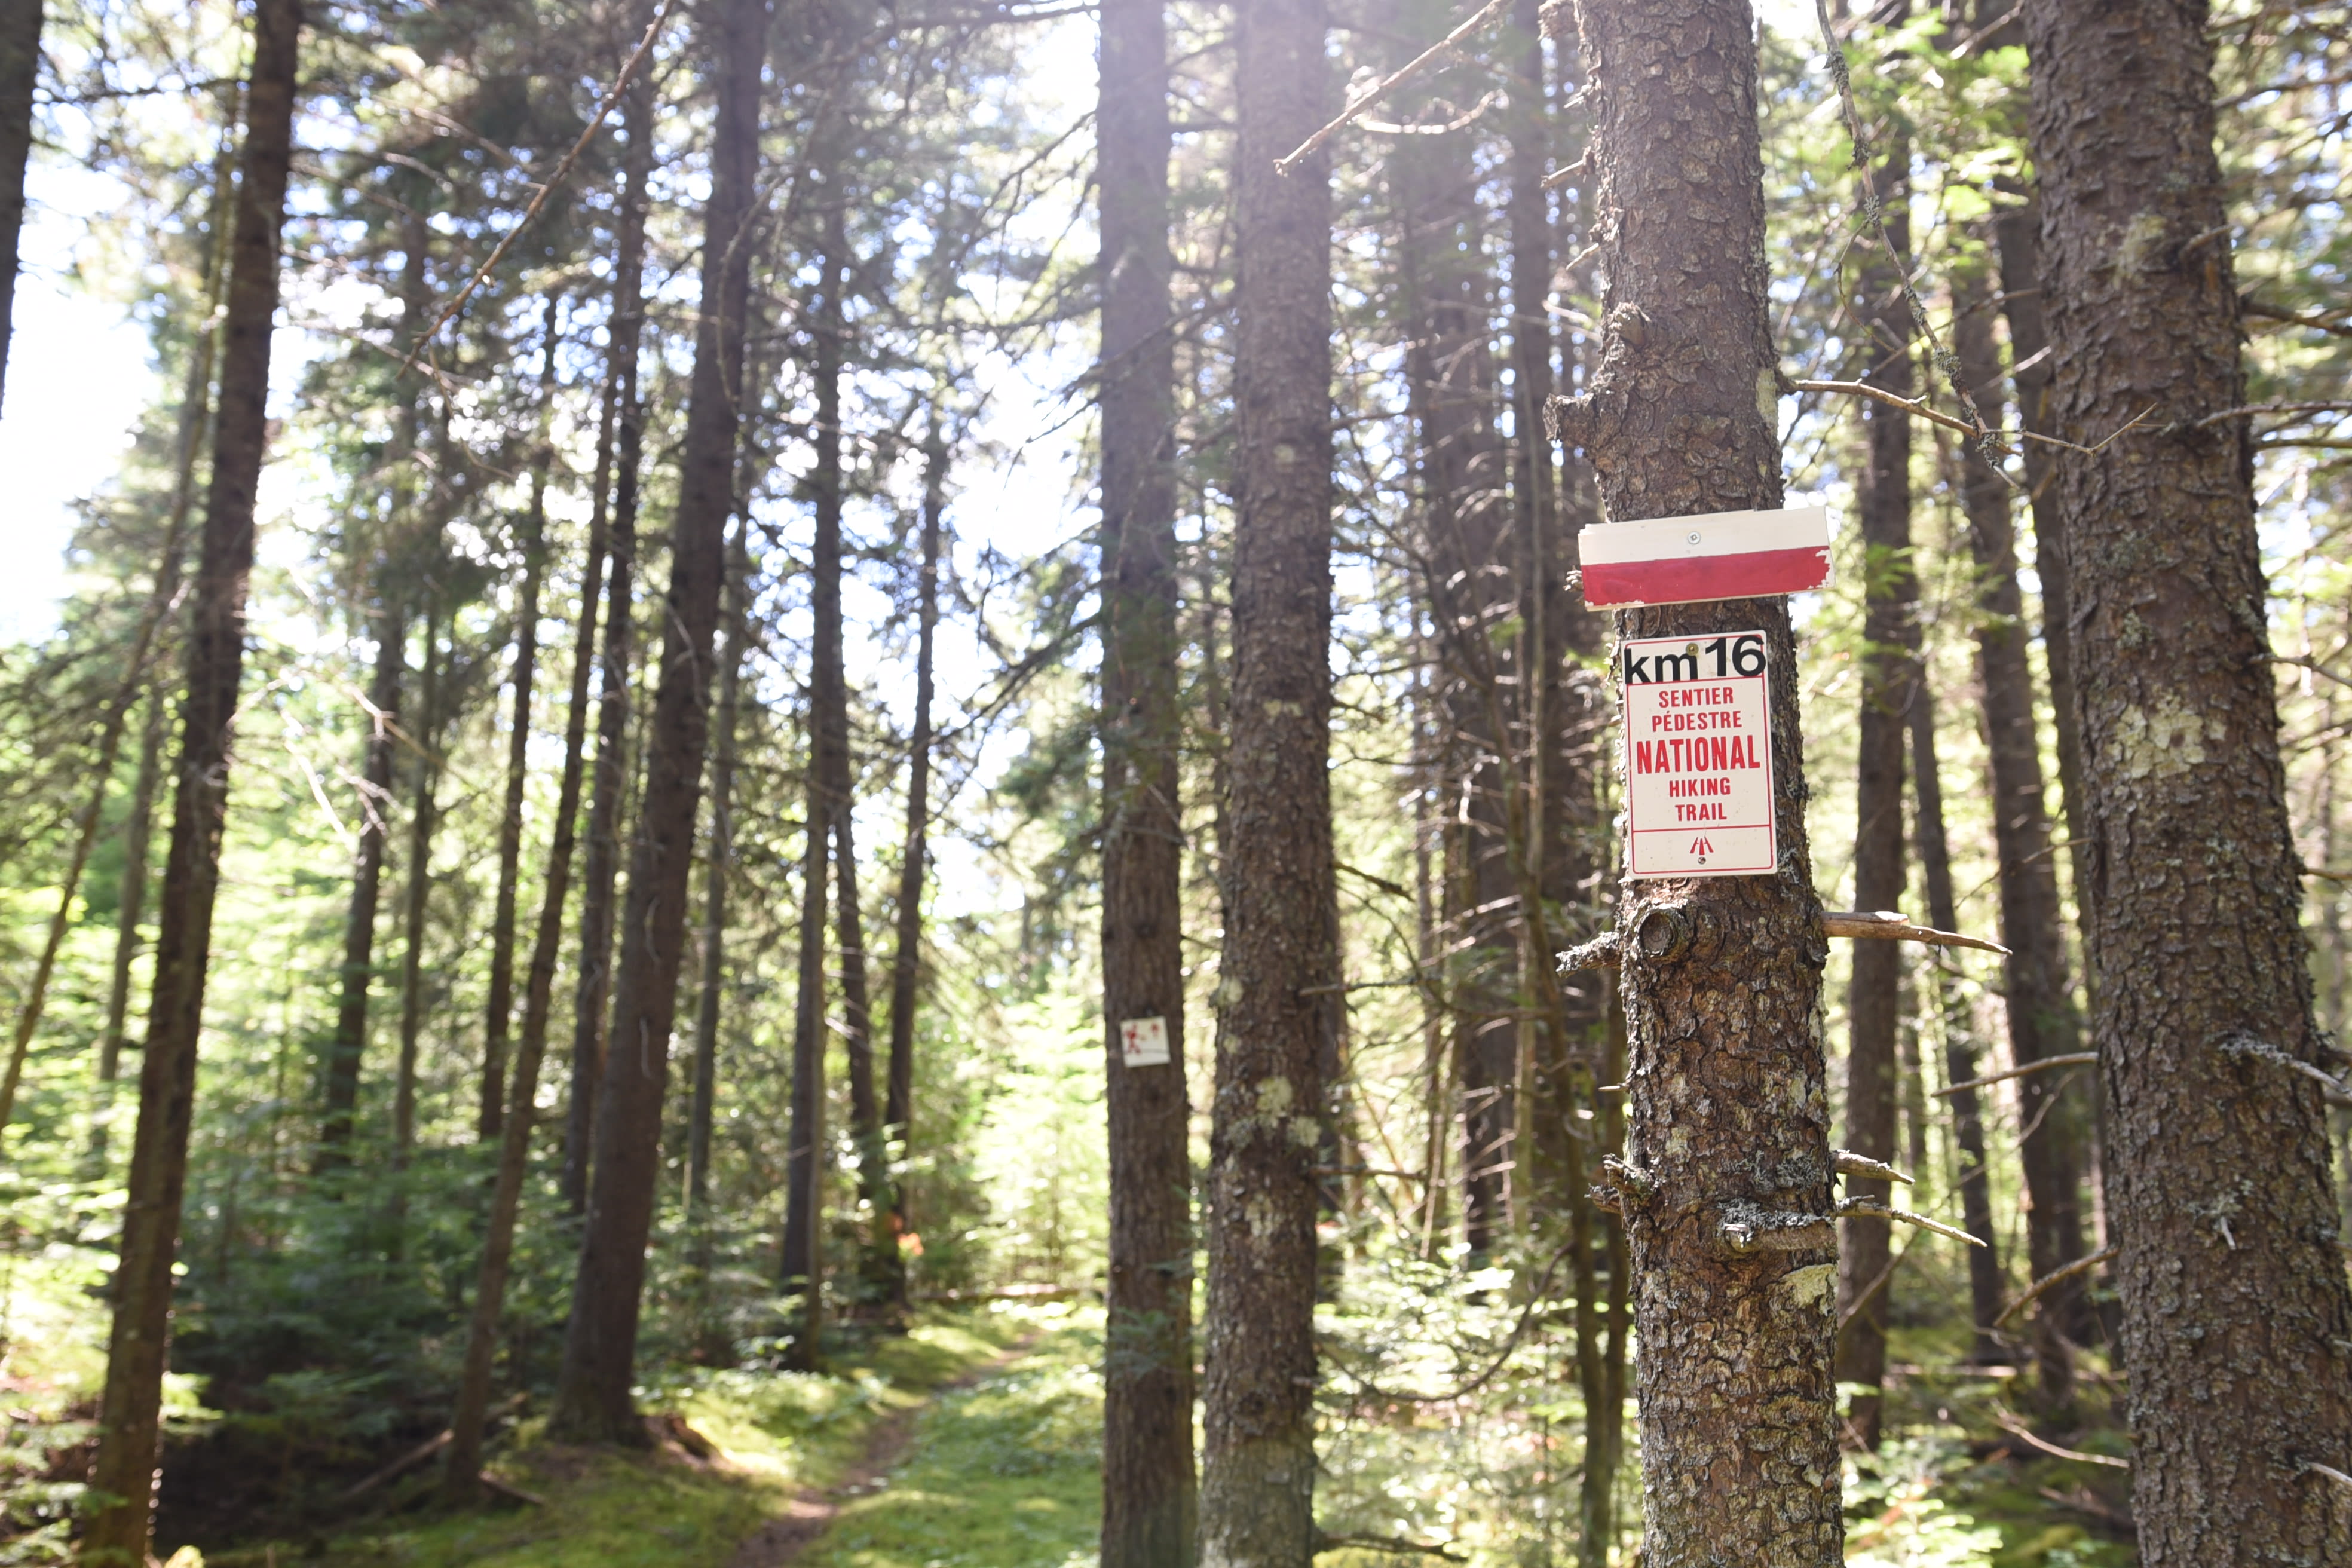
419	1454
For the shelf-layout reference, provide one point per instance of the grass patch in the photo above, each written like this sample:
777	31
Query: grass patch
777	1432
1004	1474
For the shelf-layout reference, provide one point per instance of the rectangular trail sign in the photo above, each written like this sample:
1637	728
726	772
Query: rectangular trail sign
1143	1042
1698	755
1714	555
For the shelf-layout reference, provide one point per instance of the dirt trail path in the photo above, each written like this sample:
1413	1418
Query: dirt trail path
789	1535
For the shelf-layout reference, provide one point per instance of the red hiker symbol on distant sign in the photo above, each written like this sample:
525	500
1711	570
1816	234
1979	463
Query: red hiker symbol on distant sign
1143	1043
1698	736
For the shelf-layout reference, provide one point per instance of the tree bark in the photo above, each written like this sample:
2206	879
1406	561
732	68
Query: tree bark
20	70
2236	1312
350	1041
498	1019
424	820
1890	632
2039	994
804	1261
593	1397
1150	1503
120	1502
907	962
1728	1120
1973	1175
600	872
720	856
1269	1115
461	1474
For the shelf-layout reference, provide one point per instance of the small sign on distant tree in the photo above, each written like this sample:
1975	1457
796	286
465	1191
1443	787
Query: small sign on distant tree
1698	756
1143	1042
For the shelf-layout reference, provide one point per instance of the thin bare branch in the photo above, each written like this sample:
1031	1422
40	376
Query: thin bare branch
2069	1059
1386	85
2055	1278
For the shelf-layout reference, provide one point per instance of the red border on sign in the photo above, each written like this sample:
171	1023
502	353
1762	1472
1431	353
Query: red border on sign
1682	580
1771	827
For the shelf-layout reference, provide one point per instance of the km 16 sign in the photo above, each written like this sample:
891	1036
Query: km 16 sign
1698	756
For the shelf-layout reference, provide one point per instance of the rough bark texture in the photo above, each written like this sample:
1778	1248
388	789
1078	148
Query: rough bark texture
20	62
498	1010
423	818
348	1042
120	1507
592	1392
1729	1113
1149	1503
2039	994
1889	680
906	961
601	870
461	1475
804	1155
1972	1177
2237	1320
1269	1118
720	856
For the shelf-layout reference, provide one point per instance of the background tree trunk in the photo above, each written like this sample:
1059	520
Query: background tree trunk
20	70
593	1397
1150	1497
721	858
123	1474
1972	1176
601	871
1890	632
2235	1306
1727	1105
1269	1119
424	819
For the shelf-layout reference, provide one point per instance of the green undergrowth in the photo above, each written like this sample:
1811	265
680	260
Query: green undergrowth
775	1433
1005	1473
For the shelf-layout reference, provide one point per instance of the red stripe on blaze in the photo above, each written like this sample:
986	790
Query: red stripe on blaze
1687	579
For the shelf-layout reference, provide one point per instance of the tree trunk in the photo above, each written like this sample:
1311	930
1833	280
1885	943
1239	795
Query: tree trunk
592	1398
424	820
907	962
1889	678
2039	996
461	1476
805	1153
721	858
2236	1313
1150	1503
1973	1175
1727	1154
499	1017
20	70
131	911
600	872
1257	1485
350	1042
119	1509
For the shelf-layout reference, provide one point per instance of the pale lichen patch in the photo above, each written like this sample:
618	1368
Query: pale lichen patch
2164	741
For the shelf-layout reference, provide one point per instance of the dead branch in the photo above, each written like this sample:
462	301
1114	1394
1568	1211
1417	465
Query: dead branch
1888	925
2248	410
1387	85
1850	1163
1862	1208
419	1454
510	1492
1559	177
1918	407
2016	1429
1325	1541
2331	1088
2055	1277
2069	1059
2275	313
2330	1471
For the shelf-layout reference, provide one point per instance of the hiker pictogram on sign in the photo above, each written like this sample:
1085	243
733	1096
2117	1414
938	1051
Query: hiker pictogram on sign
1698	755
1143	1043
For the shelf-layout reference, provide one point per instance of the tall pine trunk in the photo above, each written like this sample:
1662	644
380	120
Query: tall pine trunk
1149	1499
906	961
20	69
592	1398
424	821
2039	994
1726	1185
461	1476
1280	971
720	860
349	1043
1972	1176
1889	678
2236	1311
804	1155
498	1020
119	1515
600	872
